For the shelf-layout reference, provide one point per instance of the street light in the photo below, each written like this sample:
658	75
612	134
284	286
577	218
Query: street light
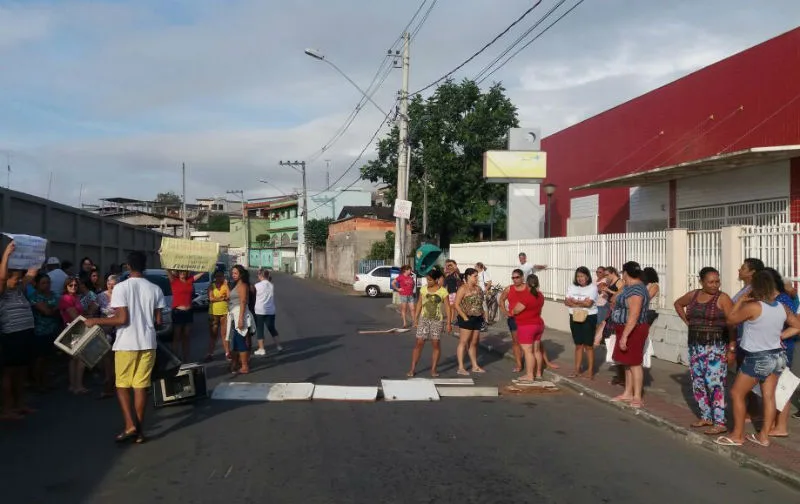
273	185
549	189
492	202
321	57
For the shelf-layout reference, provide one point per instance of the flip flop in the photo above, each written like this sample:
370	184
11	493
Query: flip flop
622	398
779	435
637	404
700	424
753	439
462	372
479	370
715	430
726	441
126	436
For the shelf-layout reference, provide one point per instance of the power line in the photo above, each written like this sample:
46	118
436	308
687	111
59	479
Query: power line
424	18
478	53
519	39
559	18
360	154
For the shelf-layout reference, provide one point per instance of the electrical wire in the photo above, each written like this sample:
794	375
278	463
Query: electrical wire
504	63
519	40
424	18
478	53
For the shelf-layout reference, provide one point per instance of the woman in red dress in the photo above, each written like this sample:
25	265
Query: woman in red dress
525	303
629	315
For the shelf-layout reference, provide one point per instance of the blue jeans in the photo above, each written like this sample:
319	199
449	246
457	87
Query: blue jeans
760	365
267	321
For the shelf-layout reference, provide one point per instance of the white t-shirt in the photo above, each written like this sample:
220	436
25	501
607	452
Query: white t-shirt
527	269
57	279
583	293
483	279
142	298
265	298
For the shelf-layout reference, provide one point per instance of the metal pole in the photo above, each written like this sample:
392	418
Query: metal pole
402	158
424	203
183	206
549	213
305	221
491	225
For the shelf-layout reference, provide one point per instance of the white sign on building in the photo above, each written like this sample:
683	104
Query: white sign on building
402	209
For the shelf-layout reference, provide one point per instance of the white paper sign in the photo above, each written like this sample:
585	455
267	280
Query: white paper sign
787	384
402	209
29	251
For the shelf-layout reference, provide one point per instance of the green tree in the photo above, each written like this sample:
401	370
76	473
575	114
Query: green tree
216	223
317	232
449	132
383	250
262	238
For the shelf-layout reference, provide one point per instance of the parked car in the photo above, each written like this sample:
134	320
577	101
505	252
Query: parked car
377	281
160	278
200	298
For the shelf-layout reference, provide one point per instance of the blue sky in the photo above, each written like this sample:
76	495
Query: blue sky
115	95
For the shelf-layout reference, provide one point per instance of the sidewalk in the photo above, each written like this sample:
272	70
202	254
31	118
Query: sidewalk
668	399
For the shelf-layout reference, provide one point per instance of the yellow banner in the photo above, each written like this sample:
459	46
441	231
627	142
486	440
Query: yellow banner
515	165
188	255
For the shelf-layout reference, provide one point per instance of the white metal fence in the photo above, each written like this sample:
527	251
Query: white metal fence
776	245
705	249
562	255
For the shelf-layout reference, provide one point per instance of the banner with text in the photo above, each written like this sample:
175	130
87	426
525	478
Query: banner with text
188	255
29	251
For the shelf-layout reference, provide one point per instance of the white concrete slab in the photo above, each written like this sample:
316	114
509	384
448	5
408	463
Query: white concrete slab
409	390
272	392
467	391
537	384
344	393
448	381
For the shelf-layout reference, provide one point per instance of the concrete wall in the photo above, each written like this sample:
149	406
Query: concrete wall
72	233
343	251
319	263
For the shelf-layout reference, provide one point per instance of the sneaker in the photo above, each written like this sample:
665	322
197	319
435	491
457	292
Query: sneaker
260	352
280	348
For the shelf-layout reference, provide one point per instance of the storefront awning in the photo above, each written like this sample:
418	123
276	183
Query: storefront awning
714	164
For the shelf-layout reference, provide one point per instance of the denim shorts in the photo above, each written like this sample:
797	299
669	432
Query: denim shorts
760	365
407	299
512	324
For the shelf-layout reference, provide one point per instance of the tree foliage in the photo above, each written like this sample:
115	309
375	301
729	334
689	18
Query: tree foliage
262	238
449	132
220	223
383	250
317	232
168	198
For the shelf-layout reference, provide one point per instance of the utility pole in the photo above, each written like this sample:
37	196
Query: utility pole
246	226
183	204
425	203
301	167
402	157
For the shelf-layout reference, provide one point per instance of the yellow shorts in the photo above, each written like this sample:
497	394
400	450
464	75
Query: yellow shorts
133	368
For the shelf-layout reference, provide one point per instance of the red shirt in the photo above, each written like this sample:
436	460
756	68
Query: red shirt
66	302
405	285
532	314
182	292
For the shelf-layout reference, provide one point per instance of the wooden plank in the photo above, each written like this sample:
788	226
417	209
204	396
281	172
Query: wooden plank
409	390
467	391
345	393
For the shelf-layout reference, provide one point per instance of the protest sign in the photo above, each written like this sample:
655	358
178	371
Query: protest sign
188	255
29	251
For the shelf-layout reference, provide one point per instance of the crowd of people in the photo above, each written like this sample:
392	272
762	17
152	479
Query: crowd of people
753	332
36	305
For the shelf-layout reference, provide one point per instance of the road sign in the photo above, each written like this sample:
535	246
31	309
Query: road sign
402	209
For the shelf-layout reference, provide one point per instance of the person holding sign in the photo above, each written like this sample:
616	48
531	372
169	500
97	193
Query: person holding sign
17	338
182	285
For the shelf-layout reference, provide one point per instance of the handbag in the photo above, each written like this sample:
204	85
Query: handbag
650	316
579	315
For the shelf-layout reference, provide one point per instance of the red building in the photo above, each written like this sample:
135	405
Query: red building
716	147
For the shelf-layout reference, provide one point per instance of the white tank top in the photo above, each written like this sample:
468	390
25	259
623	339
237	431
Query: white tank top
764	333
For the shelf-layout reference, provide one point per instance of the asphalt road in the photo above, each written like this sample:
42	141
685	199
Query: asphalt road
544	448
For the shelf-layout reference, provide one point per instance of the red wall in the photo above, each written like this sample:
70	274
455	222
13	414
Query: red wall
754	97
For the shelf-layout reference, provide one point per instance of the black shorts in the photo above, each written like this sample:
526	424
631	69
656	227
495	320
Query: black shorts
17	348
583	332
473	323
182	317
512	324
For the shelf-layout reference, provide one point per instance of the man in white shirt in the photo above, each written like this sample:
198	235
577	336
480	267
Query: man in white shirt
528	268
138	304
265	312
57	276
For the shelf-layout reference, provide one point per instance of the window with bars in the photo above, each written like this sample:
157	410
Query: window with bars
748	213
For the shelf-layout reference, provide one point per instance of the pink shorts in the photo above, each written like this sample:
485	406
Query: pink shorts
528	334
452	298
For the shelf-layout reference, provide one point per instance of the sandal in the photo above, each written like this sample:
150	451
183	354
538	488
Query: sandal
753	439
716	430
622	398
637	404
126	436
700	424
462	372
140	439
726	441
478	370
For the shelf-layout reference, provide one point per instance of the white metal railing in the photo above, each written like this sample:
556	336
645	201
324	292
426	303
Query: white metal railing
746	213
776	245
705	249
564	254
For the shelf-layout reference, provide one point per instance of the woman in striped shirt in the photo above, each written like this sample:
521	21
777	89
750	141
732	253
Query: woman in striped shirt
17	338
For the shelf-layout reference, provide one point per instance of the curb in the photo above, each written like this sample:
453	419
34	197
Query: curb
740	457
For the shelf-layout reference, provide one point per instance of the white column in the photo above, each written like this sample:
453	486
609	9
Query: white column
677	281
731	260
